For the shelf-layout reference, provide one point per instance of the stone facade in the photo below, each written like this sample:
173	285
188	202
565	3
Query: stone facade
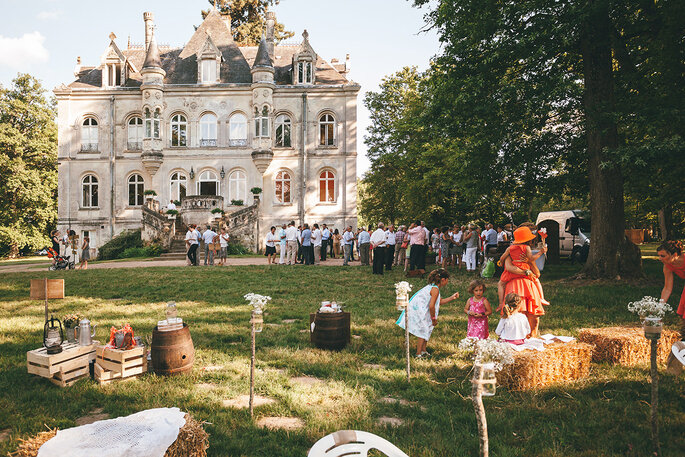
210	118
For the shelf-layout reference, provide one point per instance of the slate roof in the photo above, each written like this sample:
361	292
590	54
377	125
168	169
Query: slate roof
262	59
180	64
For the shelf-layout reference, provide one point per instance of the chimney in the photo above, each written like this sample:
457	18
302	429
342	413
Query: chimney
149	26
270	25
77	69
347	64
226	17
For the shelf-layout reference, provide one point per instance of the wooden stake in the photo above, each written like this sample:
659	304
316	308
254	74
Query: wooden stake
406	341
655	397
252	361
46	299
477	398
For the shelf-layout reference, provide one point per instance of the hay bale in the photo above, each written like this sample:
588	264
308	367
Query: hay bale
559	362
192	441
626	345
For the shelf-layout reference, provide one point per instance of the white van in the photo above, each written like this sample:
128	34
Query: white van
570	229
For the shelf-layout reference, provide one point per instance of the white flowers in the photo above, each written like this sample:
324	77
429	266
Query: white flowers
484	351
402	288
257	301
649	307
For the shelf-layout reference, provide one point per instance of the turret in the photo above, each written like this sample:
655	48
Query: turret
262	108
153	104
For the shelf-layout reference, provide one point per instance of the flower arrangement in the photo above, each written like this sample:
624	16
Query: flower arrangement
402	288
487	351
257	301
543	233
72	320
649	307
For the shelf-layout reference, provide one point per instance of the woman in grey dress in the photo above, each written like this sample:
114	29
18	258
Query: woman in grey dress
85	254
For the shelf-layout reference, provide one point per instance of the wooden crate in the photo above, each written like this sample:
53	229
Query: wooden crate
65	368
116	364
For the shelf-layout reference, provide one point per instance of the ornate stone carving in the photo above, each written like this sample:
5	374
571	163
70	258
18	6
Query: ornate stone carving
262	159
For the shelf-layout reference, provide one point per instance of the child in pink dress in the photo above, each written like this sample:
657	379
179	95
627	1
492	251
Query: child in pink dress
478	309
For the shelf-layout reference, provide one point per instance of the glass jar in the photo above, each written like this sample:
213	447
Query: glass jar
401	302
171	311
484	374
257	321
652	327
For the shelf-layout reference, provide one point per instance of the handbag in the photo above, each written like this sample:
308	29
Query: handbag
404	244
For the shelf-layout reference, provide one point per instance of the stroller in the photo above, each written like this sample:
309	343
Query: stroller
61	262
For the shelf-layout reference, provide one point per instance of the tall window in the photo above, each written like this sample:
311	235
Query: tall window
208	184
113	74
237	130
89	134
237	185
135	134
327	187
135	190
282	187
179	130
283	129
209	71
89	186
178	186
261	122
327	130
152	123
304	72
208	130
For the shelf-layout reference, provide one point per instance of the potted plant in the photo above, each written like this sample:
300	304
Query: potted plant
149	194
237	202
256	190
172	213
651	310
71	322
177	202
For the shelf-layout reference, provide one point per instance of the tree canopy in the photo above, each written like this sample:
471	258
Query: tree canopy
248	20
28	166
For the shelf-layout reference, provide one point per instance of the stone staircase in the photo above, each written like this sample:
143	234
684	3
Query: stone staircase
177	250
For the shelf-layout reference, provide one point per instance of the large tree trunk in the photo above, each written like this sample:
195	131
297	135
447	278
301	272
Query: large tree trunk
665	223
606	181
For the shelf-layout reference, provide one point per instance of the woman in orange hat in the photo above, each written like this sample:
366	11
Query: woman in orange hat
521	275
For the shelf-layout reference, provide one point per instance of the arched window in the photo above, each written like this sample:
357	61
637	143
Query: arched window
237	130
135	190
283	129
89	187
327	130
208	184
208	130
89	134
282	187
237	185
179	130
261	122
179	183
135	134
327	187
152	123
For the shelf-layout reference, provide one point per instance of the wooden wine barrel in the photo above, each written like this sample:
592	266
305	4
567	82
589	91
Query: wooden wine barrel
172	352
331	330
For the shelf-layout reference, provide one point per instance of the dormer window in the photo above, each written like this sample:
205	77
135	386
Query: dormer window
113	74
208	71
208	63
304	72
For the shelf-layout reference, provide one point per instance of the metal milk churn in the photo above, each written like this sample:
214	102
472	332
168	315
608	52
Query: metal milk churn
85	337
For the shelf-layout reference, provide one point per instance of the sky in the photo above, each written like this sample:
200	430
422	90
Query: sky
44	37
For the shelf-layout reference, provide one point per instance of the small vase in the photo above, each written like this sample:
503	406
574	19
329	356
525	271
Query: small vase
487	379
402	301
70	334
652	327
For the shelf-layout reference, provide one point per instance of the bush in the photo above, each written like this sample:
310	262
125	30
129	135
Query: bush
237	249
218	210
115	247
154	250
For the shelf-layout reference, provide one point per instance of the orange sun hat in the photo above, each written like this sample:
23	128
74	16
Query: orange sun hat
523	235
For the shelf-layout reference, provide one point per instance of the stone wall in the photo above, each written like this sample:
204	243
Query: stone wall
243	226
197	209
156	228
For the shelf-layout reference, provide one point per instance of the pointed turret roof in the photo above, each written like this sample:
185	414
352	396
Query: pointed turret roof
263	59
152	59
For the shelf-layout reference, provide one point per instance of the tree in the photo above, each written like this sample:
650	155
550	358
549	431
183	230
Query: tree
248	20
28	166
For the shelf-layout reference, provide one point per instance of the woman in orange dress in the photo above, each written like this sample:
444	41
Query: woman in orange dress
671	255
521	277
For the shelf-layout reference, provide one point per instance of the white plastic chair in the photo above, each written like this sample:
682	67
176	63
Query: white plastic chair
353	443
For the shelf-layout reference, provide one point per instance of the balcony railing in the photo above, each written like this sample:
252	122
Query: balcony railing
89	147
134	145
238	142
208	143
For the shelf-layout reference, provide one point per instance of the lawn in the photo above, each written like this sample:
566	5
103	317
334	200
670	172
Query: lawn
606	414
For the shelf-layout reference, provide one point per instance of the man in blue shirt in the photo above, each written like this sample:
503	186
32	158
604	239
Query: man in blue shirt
325	240
307	248
490	238
364	240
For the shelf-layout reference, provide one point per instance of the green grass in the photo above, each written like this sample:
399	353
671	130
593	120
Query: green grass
25	260
604	415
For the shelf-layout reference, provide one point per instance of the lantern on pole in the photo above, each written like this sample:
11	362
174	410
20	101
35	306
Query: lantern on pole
258	303
402	290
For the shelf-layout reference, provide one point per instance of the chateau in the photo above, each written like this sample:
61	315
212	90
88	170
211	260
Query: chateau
209	119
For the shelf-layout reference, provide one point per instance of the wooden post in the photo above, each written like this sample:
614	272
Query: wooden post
406	341
655	397
477	398
252	361
46	299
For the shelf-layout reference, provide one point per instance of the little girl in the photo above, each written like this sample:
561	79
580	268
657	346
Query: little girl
513	327
478	309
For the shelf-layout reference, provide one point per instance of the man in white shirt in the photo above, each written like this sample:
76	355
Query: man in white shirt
223	244
291	242
171	205
378	246
191	245
325	241
422	259
208	238
389	247
348	239
459	249
283	244
316	241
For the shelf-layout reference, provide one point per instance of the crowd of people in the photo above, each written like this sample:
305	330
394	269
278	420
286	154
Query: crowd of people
67	245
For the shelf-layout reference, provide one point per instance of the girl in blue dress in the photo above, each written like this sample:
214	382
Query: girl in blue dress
424	307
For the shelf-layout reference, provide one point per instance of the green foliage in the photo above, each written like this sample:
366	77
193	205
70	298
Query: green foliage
150	192
237	249
217	211
256	190
172	212
237	202
115	247
153	250
248	22
28	166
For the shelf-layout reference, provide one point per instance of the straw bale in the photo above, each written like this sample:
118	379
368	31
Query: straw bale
559	362
626	345
192	441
